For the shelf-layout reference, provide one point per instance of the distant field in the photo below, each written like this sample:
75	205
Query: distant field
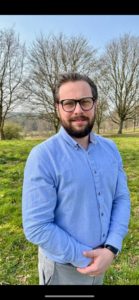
18	257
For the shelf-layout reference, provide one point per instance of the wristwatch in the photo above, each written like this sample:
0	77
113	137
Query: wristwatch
114	250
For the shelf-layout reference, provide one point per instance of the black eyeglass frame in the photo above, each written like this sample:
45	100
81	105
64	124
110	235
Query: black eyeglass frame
75	103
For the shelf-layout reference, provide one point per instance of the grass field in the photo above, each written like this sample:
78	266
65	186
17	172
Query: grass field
18	257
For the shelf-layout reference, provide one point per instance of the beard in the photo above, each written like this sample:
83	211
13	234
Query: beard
78	133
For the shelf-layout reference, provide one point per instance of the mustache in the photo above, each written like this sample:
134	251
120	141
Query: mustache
83	118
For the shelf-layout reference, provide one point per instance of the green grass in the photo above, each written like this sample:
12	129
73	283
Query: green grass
125	269
18	257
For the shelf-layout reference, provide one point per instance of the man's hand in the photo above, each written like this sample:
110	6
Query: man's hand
101	260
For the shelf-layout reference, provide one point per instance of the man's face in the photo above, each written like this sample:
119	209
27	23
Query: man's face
78	123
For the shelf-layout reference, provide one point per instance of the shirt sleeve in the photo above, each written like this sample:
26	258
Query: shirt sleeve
39	200
120	214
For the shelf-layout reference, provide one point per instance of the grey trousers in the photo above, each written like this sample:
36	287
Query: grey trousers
53	273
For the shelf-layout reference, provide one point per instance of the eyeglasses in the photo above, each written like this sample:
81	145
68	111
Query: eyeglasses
69	105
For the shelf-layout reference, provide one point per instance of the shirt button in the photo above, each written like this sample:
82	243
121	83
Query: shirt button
98	193
95	171
102	214
103	234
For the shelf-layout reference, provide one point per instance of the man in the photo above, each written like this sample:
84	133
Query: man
76	204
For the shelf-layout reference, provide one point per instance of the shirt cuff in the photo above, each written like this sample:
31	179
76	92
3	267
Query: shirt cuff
114	240
80	260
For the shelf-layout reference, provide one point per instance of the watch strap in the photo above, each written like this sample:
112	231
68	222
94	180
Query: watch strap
114	250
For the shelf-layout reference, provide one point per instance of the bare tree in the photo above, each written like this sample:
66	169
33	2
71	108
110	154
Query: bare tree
12	55
50	56
136	117
120	77
101	112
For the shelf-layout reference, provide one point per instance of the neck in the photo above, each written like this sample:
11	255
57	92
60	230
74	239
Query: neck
84	142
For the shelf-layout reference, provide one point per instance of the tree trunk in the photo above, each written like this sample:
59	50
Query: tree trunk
56	125
120	127
56	128
98	128
134	124
2	136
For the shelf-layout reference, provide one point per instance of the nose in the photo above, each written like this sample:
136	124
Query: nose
78	108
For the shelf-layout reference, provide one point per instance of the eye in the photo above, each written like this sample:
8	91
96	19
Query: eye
68	103
86	102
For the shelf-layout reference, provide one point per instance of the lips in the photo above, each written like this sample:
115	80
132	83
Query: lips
79	119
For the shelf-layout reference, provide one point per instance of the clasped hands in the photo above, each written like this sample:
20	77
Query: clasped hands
101	260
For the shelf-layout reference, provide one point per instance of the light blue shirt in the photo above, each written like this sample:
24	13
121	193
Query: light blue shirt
75	199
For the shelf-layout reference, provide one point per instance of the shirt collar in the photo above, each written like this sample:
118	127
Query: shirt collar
71	141
93	139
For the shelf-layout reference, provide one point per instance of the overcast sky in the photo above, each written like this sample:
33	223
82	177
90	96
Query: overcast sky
97	29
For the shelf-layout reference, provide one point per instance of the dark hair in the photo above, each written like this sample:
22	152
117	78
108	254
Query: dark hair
67	77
